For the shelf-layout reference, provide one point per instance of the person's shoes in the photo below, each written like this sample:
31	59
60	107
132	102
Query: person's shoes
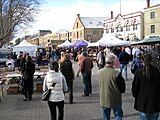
25	99
70	102
90	93
30	98
85	95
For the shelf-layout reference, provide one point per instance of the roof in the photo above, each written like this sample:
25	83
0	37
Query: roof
92	22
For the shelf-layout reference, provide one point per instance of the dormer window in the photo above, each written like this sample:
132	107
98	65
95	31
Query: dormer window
100	23
90	22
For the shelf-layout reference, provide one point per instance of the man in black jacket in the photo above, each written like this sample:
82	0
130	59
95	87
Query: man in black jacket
124	60
28	70
67	71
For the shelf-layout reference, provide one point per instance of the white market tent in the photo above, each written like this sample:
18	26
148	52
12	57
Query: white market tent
110	40
93	44
26	47
65	44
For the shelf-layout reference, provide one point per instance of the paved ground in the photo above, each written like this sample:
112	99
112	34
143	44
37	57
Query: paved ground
84	108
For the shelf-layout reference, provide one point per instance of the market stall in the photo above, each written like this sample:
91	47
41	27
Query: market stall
26	47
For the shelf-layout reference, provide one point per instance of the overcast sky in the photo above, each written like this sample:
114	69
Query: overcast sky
61	14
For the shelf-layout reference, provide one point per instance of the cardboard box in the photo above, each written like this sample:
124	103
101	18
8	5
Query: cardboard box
39	87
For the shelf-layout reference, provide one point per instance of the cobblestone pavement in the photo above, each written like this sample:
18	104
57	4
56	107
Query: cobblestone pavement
13	107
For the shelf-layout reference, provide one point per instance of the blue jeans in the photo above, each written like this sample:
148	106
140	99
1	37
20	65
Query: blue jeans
87	83
117	110
124	66
147	116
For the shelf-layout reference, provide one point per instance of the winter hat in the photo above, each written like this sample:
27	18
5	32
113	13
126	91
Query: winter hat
110	58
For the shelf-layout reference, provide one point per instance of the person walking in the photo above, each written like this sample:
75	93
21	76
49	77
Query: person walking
67	70
145	90
137	63
86	66
111	87
101	58
79	58
56	99
124	60
28	69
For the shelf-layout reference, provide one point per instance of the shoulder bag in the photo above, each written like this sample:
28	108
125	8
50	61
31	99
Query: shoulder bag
47	93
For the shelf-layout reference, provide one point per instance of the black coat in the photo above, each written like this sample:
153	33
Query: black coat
67	70
146	92
123	57
28	69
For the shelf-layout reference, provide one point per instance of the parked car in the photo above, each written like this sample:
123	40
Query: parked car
4	56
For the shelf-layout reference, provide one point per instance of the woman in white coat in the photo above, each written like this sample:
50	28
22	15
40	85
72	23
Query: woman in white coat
56	99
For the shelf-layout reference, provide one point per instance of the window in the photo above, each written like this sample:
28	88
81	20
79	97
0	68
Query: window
152	15
119	28
70	33
77	34
77	24
112	30
134	26
152	28
107	30
127	27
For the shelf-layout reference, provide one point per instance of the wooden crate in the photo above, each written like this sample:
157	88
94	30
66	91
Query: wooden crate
13	89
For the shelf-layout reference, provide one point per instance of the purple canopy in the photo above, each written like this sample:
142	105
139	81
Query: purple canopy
80	43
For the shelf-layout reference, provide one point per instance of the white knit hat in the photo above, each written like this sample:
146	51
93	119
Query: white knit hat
110	58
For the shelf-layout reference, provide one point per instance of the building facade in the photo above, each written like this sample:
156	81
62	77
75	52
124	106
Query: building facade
128	27
152	20
87	28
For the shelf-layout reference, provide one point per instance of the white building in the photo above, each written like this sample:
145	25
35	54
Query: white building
126	27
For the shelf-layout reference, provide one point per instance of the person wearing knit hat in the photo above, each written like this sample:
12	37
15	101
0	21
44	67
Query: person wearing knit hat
110	58
111	87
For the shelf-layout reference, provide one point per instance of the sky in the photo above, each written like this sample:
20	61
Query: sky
61	14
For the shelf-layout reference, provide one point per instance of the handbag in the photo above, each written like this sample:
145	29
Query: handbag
47	93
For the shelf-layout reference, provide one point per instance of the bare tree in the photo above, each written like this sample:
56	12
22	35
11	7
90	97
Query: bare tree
16	14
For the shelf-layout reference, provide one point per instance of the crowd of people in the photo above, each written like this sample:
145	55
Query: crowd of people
145	66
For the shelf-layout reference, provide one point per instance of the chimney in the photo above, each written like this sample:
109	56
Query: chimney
148	3
78	15
111	14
